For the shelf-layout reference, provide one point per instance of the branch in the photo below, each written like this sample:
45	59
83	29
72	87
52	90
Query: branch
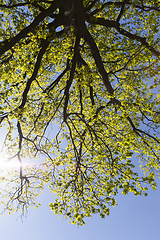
32	78
8	58
70	132
98	60
2	117
19	151
52	85
91	5
34	124
6	45
119	4
101	21
115	24
69	81
122	10
139	39
14	5
91	95
136	130
38	149
80	99
147	8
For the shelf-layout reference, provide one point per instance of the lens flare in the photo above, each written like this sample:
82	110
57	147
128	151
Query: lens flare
7	164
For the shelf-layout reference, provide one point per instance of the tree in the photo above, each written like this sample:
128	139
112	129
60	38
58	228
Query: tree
92	67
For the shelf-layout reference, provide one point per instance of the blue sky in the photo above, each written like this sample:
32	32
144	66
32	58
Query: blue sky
133	218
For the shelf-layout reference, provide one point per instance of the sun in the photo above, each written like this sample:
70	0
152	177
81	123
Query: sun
7	165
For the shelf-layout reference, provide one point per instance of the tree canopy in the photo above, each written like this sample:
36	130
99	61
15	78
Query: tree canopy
91	67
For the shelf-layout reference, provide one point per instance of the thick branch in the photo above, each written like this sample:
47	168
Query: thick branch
30	80
69	81
6	45
81	27
98	60
101	21
139	39
115	24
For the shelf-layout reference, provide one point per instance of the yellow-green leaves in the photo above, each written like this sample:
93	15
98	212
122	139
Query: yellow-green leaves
79	83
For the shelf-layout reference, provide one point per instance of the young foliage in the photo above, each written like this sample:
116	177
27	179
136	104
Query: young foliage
91	66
